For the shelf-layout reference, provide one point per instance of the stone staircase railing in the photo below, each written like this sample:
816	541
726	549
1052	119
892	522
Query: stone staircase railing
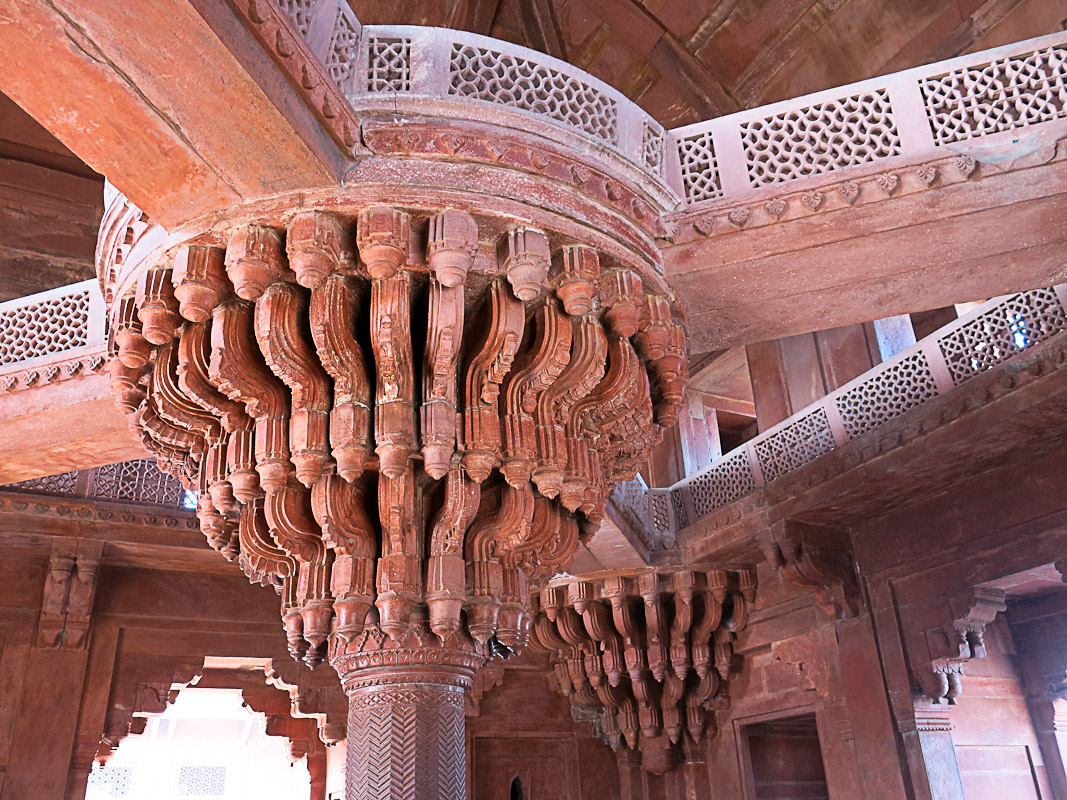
51	336
909	114
989	335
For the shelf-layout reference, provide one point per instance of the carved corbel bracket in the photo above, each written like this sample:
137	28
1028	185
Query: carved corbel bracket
818	558
69	590
950	645
652	653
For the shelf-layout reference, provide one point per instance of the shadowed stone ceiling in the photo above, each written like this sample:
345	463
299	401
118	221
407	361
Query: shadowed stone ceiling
687	60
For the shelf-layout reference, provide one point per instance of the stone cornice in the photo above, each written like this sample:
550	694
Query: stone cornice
54	369
857	188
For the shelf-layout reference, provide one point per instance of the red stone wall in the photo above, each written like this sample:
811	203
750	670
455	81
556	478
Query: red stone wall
525	730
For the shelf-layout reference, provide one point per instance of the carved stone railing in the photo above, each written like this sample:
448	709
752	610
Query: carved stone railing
988	336
53	335
137	482
906	115
330	29
902	116
455	68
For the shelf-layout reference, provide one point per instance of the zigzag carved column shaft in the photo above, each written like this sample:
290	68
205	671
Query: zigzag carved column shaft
401	419
651	654
406	738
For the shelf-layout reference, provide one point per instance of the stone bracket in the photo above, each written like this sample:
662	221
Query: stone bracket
69	590
950	645
818	558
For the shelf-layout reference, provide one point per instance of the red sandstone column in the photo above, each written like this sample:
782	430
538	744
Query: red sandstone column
406	737
631	776
406	725
1049	715
931	753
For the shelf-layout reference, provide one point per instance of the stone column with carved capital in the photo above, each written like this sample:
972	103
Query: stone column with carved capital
406	720
403	480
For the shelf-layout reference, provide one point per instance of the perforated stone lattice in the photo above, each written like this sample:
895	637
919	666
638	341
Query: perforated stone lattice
886	395
991	338
136	482
513	81
728	480
105	782
700	170
343	46
652	139
299	12
795	445
63	484
681	515
389	69
50	326
657	506
1003	94
198	781
631	500
820	138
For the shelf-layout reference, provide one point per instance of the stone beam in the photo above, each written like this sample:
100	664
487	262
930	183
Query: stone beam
52	423
139	536
177	103
913	237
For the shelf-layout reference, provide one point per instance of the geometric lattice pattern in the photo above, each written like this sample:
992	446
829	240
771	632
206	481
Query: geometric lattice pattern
389	69
631	500
50	326
63	484
1008	93
105	782
136	482
681	515
201	781
821	138
299	13
728	480
887	394
342	50
1001	332
1009	326
513	81
652	139
700	171
657	507
795	445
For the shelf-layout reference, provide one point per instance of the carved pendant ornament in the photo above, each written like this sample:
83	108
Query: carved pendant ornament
403	450
651	655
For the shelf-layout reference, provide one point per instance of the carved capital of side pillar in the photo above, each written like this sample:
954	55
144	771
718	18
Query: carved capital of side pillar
926	730
406	721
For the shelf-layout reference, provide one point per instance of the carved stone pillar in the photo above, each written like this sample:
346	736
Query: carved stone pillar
406	718
404	481
927	736
631	776
406	737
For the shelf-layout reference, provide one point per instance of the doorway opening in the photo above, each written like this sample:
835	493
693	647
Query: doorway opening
784	760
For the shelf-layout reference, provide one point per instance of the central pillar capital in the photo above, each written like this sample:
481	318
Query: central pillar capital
374	659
